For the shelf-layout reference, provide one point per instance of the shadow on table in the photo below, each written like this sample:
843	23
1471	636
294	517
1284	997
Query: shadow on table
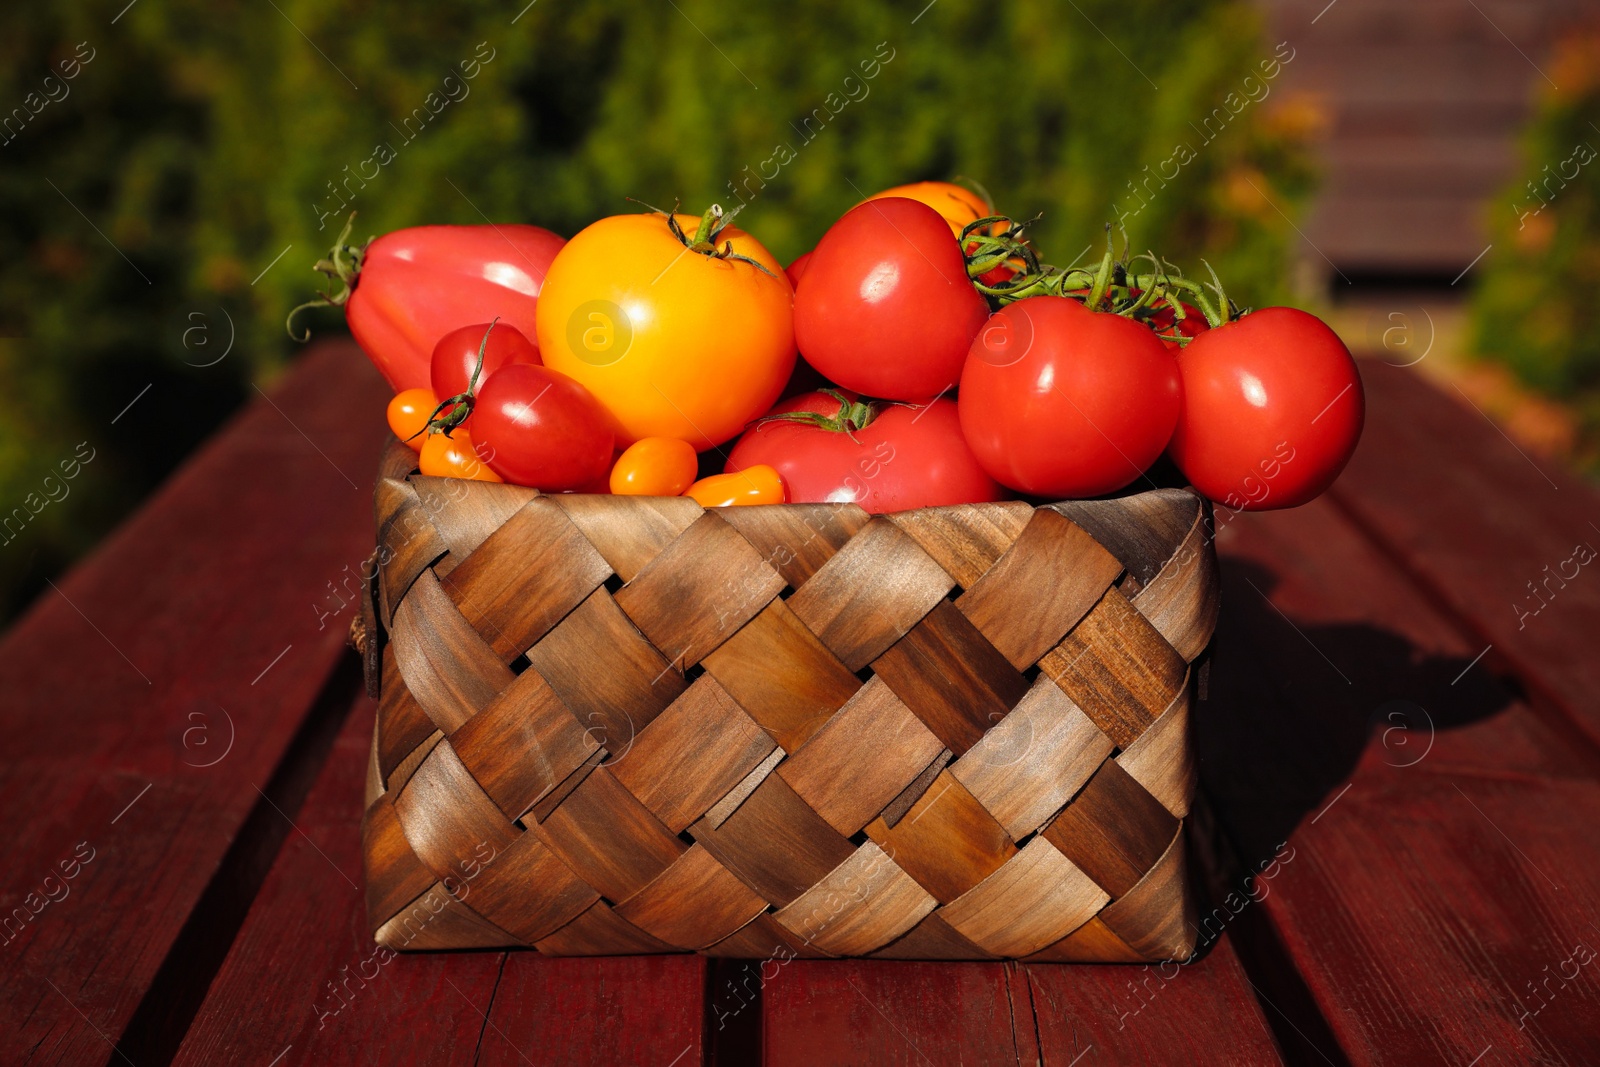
1293	706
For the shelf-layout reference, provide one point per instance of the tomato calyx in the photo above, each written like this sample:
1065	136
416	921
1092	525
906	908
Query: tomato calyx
1159	296
342	265
452	412
704	241
852	416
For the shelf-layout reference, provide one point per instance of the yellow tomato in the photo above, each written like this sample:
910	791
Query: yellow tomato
408	415
451	455
673	341
757	484
655	466
957	204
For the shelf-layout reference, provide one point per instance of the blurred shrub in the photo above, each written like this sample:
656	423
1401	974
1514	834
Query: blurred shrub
202	139
1535	307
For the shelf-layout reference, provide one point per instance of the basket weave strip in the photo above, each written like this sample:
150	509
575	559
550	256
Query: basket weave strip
617	725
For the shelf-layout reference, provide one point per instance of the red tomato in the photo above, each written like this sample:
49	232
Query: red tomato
884	306
797	268
885	457
537	427
1060	401
455	357
1272	410
1192	325
416	285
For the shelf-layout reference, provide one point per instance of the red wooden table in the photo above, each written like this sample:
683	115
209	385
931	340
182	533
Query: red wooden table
1402	741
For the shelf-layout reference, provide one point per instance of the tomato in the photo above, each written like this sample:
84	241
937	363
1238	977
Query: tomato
885	307
407	289
1165	321
655	466
1060	401
959	207
408	415
1272	410
885	457
673	341
797	268
956	204
539	428
451	455
455	357
754	485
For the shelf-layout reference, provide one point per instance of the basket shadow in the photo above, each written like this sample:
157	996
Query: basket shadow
1293	707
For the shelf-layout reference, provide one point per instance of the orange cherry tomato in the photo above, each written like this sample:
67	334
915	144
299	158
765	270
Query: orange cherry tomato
451	455
408	415
655	466
758	484
674	341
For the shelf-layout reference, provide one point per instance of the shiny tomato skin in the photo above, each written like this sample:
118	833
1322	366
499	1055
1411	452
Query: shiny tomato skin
452	456
1272	410
905	458
654	466
673	343
408	415
455	357
758	484
885	307
418	284
536	427
1060	401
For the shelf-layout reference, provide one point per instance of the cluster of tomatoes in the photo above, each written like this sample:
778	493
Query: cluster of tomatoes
919	355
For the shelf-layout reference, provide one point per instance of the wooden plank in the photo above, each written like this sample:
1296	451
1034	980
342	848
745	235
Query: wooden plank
198	633
1420	802
1490	532
916	1013
307	929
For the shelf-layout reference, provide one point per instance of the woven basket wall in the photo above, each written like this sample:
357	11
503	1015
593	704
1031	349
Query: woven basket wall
615	725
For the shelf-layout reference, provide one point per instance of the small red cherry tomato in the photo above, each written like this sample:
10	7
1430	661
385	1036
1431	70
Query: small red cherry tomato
655	466
759	484
539	428
451	455
455	357
408	415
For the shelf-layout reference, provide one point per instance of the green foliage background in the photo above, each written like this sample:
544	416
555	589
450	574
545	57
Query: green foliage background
201	138
1536	307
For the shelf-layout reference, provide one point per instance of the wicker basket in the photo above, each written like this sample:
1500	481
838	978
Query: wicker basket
616	725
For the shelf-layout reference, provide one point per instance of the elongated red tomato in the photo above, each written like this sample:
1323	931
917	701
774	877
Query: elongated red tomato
885	457
1272	410
537	427
415	285
1060	401
884	306
455	357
